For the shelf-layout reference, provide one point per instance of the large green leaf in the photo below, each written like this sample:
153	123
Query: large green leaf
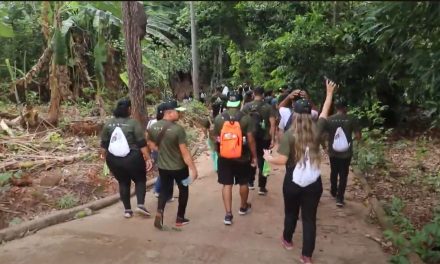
124	78
6	30
114	7
153	68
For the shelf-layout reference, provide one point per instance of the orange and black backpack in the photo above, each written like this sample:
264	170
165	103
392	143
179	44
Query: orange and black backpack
231	137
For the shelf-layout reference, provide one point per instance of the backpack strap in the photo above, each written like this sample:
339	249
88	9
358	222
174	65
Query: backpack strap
162	132
289	122
237	117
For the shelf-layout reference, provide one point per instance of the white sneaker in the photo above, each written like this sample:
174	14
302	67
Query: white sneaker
156	195
142	210
128	213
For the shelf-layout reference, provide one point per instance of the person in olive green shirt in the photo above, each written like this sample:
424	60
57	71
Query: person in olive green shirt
173	160
264	136
132	167
299	194
340	161
238	170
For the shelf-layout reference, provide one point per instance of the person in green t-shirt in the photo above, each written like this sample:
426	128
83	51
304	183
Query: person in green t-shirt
174	159
235	170
340	161
300	144
265	115
132	167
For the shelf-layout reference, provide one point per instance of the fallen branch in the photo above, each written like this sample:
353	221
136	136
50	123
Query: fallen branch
13	165
7	115
5	127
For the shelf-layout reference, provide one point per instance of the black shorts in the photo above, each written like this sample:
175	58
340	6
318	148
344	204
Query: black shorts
233	172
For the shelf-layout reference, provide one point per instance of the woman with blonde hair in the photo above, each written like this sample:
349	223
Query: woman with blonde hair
302	187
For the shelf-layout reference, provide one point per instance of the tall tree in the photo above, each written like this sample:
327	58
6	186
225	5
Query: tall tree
134	24
59	80
195	55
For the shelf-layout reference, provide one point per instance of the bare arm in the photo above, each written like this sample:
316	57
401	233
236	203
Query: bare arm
330	86
358	135
277	160
252	146
288	100
188	160
272	122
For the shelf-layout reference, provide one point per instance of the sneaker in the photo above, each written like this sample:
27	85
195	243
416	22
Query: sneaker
262	191
156	195
142	210
181	221
305	260
170	200
158	221
228	219
128	213
251	186
340	203
286	245
243	211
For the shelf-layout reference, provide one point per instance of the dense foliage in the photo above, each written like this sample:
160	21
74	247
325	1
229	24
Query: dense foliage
379	51
384	55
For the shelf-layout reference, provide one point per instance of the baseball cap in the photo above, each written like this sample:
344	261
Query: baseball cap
233	99
170	105
302	106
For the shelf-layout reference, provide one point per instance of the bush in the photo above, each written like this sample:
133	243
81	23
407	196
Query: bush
67	201
370	152
424	242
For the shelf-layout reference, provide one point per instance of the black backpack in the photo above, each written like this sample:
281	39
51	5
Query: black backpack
254	111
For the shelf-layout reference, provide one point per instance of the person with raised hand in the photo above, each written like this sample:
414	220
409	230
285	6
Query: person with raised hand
302	187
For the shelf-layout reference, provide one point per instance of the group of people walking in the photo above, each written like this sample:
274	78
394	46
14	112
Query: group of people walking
243	136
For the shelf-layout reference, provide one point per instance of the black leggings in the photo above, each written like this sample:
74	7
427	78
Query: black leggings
127	169
167	178
307	198
339	167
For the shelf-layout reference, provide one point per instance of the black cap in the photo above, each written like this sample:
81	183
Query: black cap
233	99
170	105
302	106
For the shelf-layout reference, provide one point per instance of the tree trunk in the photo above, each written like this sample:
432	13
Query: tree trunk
134	25
194	51
220	63
59	80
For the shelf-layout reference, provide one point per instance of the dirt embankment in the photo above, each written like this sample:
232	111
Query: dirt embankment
58	168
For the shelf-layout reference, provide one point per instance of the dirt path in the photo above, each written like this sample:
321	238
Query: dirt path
255	238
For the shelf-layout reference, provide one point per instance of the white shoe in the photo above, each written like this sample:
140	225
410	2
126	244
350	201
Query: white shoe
128	214
156	195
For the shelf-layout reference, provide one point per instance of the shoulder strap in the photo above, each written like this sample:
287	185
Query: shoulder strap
162	133
227	117
289	122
